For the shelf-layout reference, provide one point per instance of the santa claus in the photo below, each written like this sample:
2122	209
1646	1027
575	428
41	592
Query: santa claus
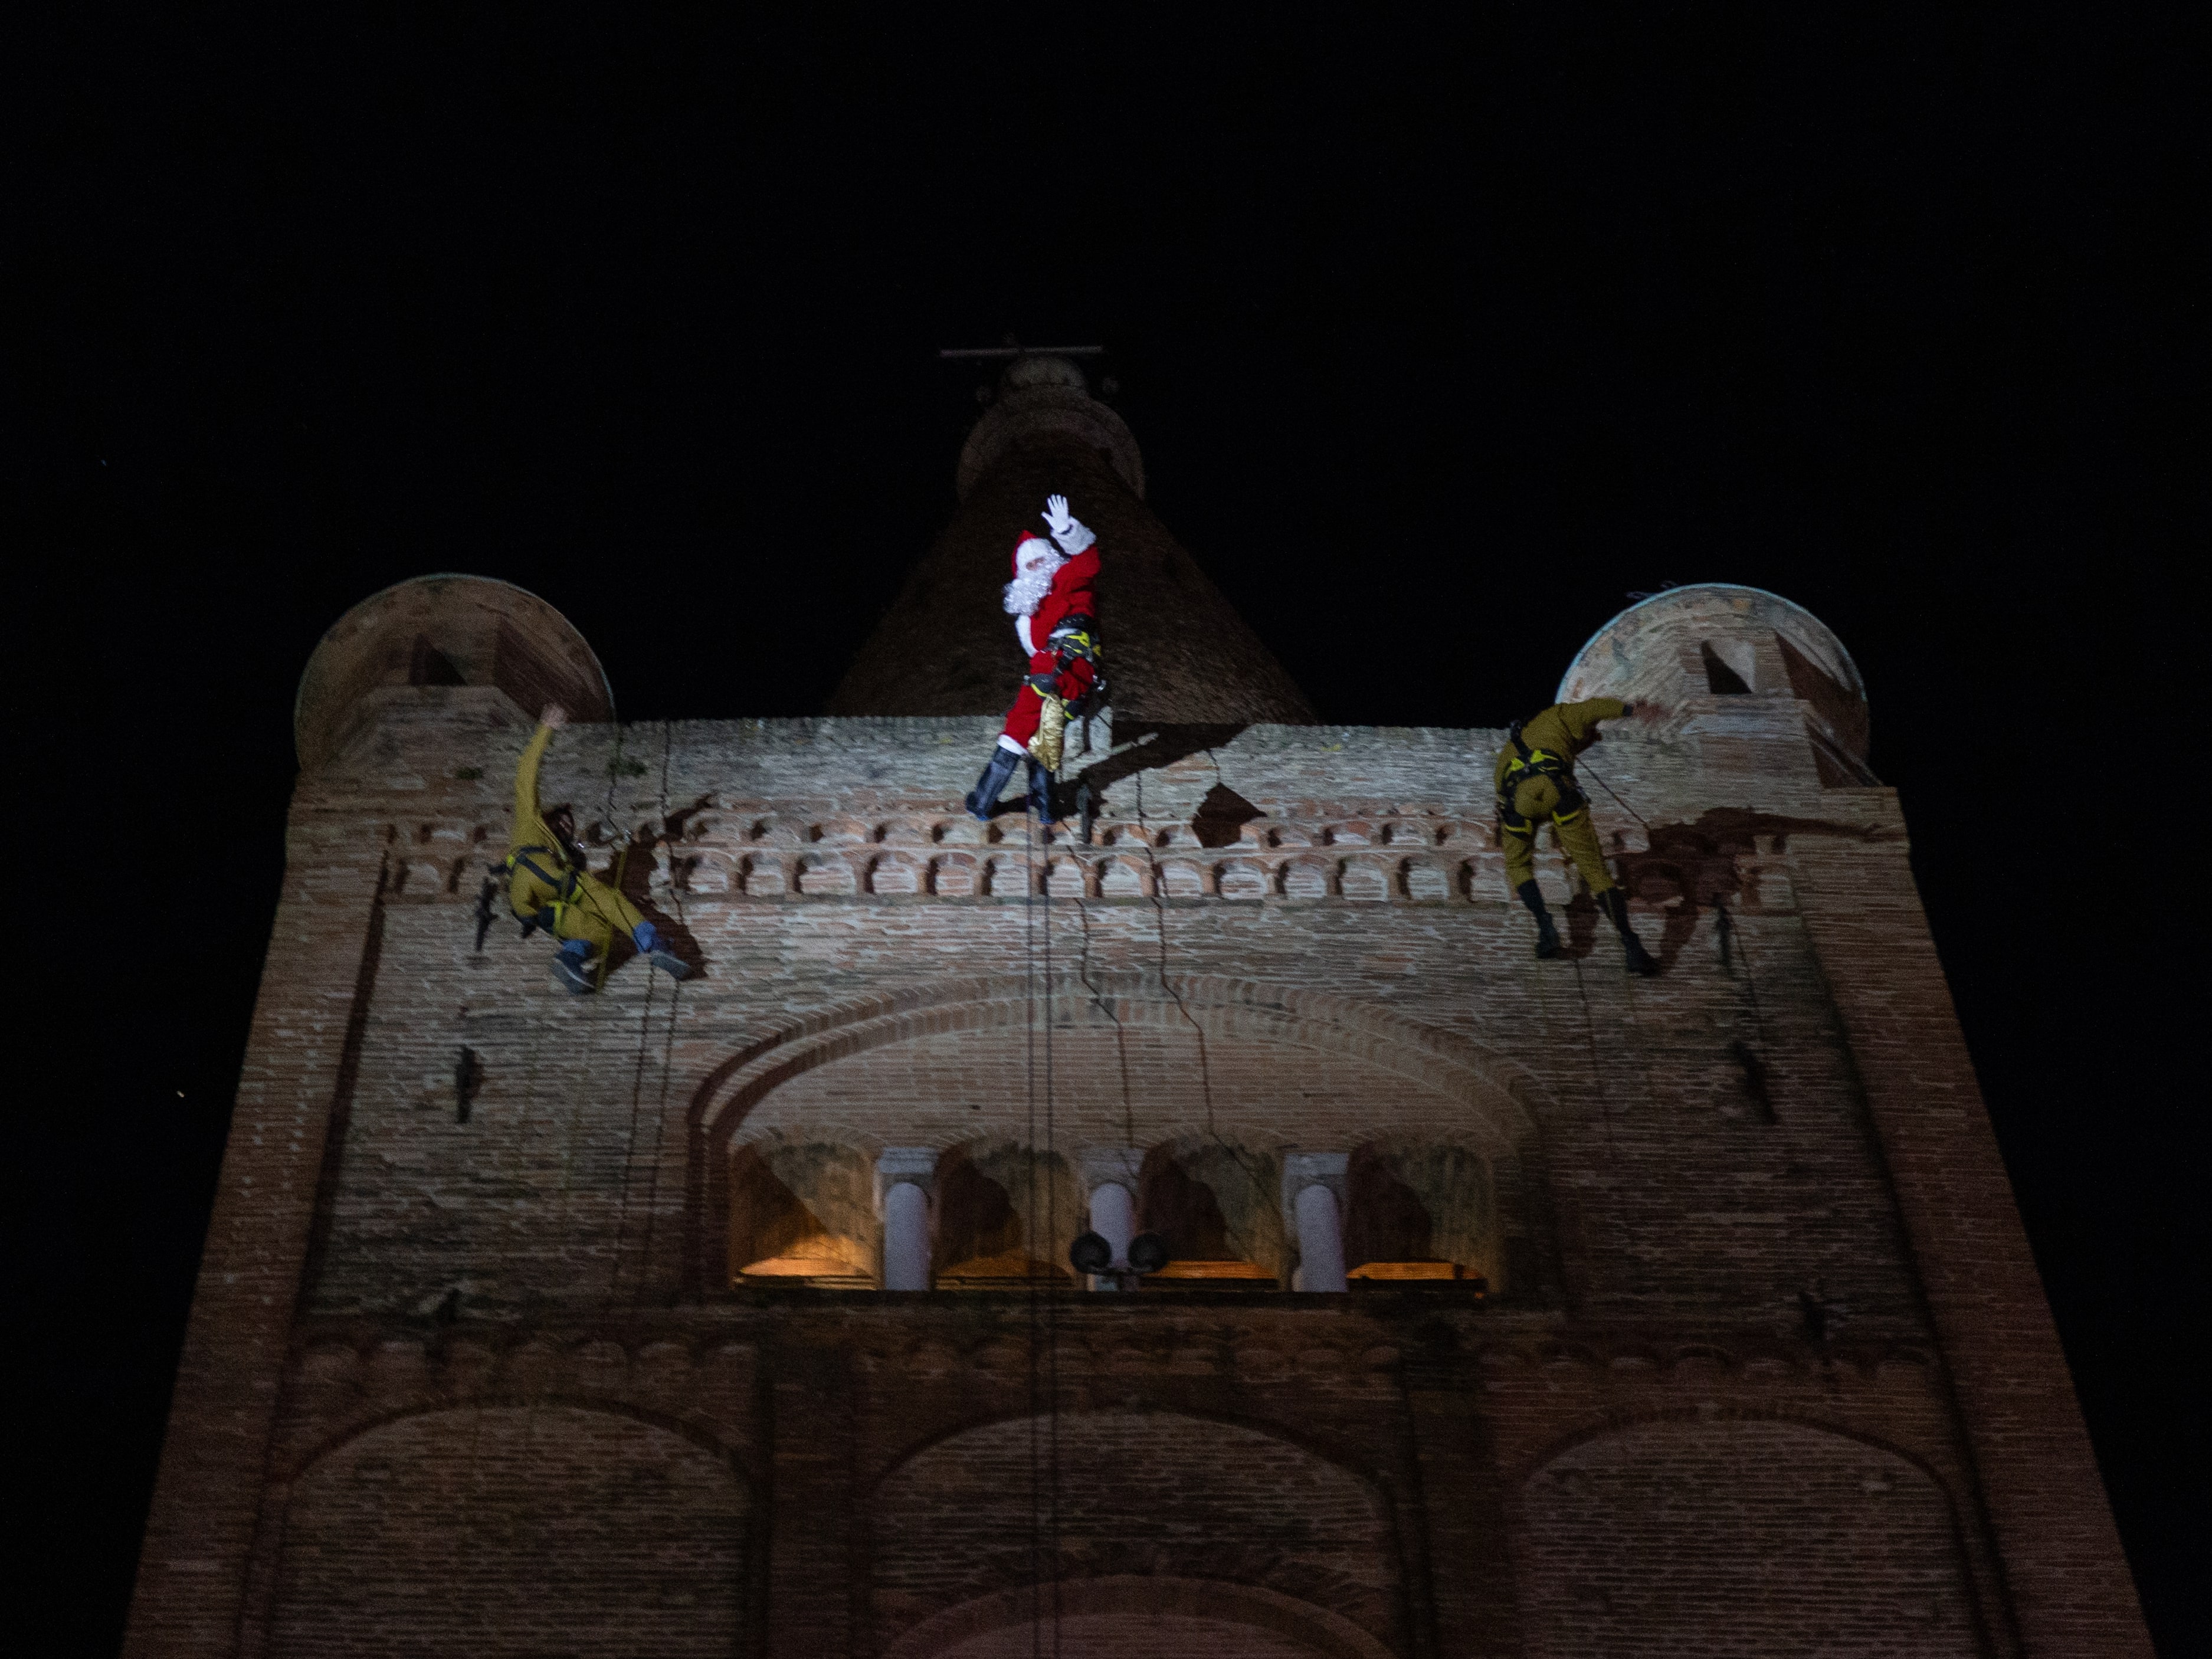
1056	621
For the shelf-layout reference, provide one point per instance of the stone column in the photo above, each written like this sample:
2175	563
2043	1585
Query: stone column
1313	1195
904	1175
1109	1174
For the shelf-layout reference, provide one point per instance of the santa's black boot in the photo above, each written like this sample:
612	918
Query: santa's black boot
1547	937
1041	794
1614	903
985	795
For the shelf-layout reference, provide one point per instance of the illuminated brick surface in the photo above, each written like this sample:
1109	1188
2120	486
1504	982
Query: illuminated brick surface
1766	1368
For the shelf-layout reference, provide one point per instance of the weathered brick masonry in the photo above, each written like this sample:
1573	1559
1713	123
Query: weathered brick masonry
530	1324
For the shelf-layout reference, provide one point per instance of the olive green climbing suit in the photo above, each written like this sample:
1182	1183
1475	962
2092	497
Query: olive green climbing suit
1536	779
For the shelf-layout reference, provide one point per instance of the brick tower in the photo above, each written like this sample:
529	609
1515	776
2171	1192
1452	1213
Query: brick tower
1511	1307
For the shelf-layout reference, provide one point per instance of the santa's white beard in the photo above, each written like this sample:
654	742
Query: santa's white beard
1027	590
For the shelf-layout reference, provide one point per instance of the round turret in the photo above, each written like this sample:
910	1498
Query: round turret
1047	398
447	630
1714	640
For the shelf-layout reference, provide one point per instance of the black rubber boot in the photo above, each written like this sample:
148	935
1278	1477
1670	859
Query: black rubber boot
1040	793
1614	903
1547	937
985	795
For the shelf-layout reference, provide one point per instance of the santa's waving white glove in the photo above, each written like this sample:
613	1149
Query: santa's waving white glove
1070	532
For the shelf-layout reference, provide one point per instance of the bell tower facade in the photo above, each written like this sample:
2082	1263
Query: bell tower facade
1499	1307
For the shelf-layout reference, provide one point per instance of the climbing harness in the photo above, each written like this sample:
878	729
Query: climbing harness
564	885
1527	765
1075	640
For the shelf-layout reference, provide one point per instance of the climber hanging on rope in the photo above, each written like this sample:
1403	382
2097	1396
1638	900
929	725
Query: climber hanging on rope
550	886
1535	781
1056	620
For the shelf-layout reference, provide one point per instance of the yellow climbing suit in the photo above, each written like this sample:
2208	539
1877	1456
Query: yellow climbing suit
1536	779
543	884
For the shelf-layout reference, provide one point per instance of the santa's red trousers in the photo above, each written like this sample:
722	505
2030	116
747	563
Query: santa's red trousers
1074	680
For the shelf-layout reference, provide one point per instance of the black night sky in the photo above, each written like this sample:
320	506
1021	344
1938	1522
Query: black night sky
1437	344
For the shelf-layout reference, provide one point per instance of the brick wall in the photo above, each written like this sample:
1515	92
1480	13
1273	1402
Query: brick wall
513	1530
995	1507
1741	1218
1741	1538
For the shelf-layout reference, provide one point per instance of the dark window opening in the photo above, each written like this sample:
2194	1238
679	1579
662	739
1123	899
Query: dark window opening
428	665
1721	679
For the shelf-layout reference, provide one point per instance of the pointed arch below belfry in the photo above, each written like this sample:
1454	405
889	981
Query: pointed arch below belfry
1159	1511
1113	1617
1125	1051
457	1530
1721	1531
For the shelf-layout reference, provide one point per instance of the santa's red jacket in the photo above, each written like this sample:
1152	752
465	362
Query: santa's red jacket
1070	595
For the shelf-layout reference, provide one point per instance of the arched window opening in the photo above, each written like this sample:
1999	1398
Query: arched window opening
428	665
1419	1215
1218	1209
1727	667
1006	1216
802	1214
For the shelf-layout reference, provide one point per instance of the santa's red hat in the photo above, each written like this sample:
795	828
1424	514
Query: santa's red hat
1025	539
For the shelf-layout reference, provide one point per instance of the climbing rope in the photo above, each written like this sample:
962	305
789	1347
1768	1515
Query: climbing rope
1044	1307
1597	1069
644	1053
675	1009
1583	764
1723	923
1120	1032
1205	1062
1052	1242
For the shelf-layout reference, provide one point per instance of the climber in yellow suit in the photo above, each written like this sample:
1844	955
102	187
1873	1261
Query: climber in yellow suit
1536	779
549	885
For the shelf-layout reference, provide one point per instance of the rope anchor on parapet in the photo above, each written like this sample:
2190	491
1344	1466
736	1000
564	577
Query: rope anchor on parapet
1535	781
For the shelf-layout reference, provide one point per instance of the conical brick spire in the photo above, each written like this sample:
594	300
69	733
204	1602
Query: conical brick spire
1177	653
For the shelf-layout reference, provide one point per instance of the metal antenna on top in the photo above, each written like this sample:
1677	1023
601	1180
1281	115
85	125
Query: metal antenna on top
1014	347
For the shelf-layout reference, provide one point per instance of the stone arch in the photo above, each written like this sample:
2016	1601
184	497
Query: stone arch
1004	1214
1739	1535
512	1529
1218	1206
1447	1082
1114	1618
1146	1499
1412	1202
802	1211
